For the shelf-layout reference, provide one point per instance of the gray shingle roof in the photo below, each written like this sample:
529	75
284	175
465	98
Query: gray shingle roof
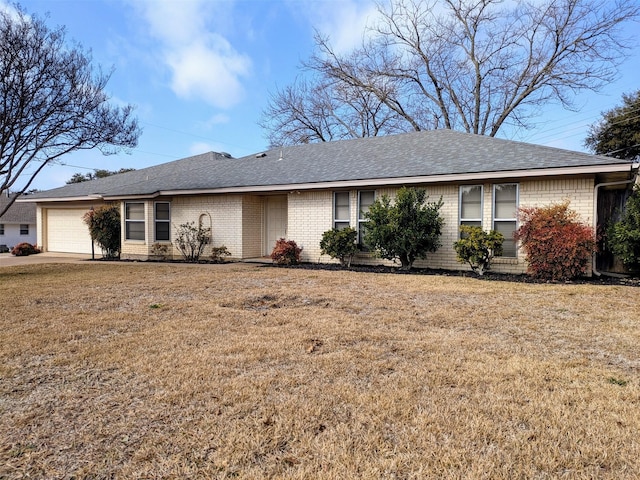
18	212
428	153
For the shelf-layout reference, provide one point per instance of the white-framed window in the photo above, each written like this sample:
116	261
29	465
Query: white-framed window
341	210
365	200
24	229
162	217
505	209
471	205
1	228
134	220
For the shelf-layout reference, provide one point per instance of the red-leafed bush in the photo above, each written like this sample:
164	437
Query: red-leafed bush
286	252
24	249
558	246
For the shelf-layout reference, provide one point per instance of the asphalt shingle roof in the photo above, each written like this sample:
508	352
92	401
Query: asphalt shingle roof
18	212
428	153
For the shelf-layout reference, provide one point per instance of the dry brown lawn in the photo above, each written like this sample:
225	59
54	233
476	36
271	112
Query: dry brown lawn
172	371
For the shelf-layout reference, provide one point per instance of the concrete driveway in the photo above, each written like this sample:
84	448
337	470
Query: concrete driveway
8	260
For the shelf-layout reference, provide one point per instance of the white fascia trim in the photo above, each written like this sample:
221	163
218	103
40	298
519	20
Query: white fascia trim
147	196
373	182
85	198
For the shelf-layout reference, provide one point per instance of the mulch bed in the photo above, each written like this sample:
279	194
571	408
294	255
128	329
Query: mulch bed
488	276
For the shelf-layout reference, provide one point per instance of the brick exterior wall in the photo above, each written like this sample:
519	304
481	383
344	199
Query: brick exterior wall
238	221
221	213
311	214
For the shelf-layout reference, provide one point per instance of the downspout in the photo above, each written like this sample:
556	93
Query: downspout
594	270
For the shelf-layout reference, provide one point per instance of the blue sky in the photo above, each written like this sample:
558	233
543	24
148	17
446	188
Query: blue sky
200	72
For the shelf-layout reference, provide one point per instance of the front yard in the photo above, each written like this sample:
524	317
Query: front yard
138	370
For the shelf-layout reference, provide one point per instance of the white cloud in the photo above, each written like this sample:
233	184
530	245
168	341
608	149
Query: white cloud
10	9
345	22
203	64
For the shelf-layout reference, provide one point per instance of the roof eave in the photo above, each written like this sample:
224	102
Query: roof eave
78	198
375	182
356	183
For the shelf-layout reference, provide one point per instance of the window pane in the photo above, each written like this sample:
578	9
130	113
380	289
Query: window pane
507	229
24	229
341	225
1	228
366	200
134	211
162	211
471	201
135	230
506	201
341	200
162	231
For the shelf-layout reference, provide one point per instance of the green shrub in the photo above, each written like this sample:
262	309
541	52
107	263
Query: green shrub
557	245
623	237
477	247
24	249
286	252
340	244
218	254
191	240
104	228
406	230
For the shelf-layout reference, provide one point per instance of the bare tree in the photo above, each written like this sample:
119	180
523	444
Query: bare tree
321	111
52	102
478	65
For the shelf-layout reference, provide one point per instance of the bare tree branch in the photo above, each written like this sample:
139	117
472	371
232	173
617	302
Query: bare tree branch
52	101
474	65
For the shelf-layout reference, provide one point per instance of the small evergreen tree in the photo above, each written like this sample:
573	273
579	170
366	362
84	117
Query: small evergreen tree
406	230
340	244
624	236
618	131
104	228
477	247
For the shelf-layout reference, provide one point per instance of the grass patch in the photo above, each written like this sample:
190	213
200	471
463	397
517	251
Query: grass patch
180	371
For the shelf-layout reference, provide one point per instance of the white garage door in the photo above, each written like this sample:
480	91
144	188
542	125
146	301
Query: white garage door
66	232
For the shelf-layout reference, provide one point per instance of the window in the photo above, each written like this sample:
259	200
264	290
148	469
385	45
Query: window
365	200
505	207
471	205
341	210
134	221
24	229
1	228
162	221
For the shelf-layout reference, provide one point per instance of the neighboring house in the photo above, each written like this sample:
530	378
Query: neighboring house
301	191
18	224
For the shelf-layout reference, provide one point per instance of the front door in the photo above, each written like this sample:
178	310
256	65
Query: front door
275	221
